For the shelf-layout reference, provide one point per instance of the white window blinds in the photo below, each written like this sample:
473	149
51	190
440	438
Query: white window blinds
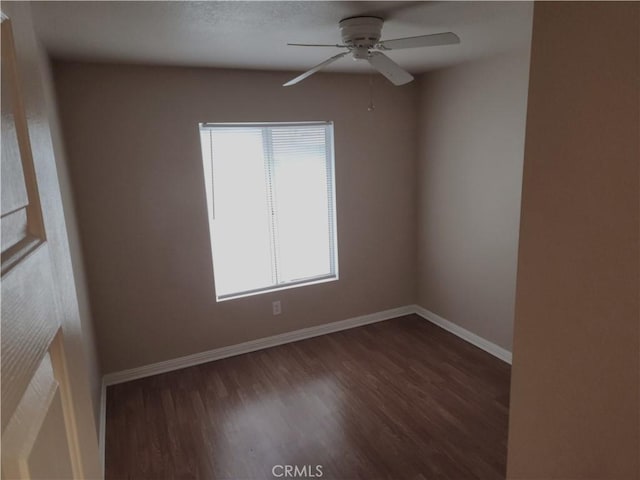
271	205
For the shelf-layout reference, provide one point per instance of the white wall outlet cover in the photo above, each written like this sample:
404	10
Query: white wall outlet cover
277	307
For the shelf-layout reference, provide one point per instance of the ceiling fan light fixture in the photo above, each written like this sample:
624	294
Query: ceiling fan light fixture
360	53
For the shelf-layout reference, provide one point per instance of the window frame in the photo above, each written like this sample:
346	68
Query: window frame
332	219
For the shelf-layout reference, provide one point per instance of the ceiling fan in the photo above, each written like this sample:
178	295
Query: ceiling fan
361	38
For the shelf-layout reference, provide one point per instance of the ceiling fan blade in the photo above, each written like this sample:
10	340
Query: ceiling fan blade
308	73
335	45
390	69
447	38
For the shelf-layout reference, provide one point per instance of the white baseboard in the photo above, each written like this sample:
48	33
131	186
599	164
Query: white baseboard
457	330
102	426
288	337
252	346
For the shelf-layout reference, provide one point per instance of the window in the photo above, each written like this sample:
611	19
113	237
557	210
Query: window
270	193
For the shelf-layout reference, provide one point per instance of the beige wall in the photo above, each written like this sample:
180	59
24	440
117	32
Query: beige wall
574	396
471	146
134	156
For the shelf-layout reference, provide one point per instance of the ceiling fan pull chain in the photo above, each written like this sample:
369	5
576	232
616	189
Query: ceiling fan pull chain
371	106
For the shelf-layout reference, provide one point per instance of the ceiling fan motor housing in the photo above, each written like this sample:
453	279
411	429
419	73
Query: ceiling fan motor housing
361	33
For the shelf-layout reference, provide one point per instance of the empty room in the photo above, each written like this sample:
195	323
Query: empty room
320	239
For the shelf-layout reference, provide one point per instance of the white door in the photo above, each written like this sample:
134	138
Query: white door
39	422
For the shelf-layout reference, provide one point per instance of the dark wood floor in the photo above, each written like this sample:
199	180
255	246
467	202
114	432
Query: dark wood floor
400	399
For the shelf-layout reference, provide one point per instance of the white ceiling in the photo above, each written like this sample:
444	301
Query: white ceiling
239	34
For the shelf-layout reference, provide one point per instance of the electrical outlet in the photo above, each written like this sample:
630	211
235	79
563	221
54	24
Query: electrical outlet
277	308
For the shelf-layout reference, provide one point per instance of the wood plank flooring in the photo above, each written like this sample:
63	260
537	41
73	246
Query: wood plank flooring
400	399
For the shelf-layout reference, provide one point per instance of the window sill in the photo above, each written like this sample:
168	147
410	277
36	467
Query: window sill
277	288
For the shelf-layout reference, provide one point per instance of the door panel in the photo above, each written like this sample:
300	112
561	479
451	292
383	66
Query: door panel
39	425
21	220
14	192
29	324
49	457
35	441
